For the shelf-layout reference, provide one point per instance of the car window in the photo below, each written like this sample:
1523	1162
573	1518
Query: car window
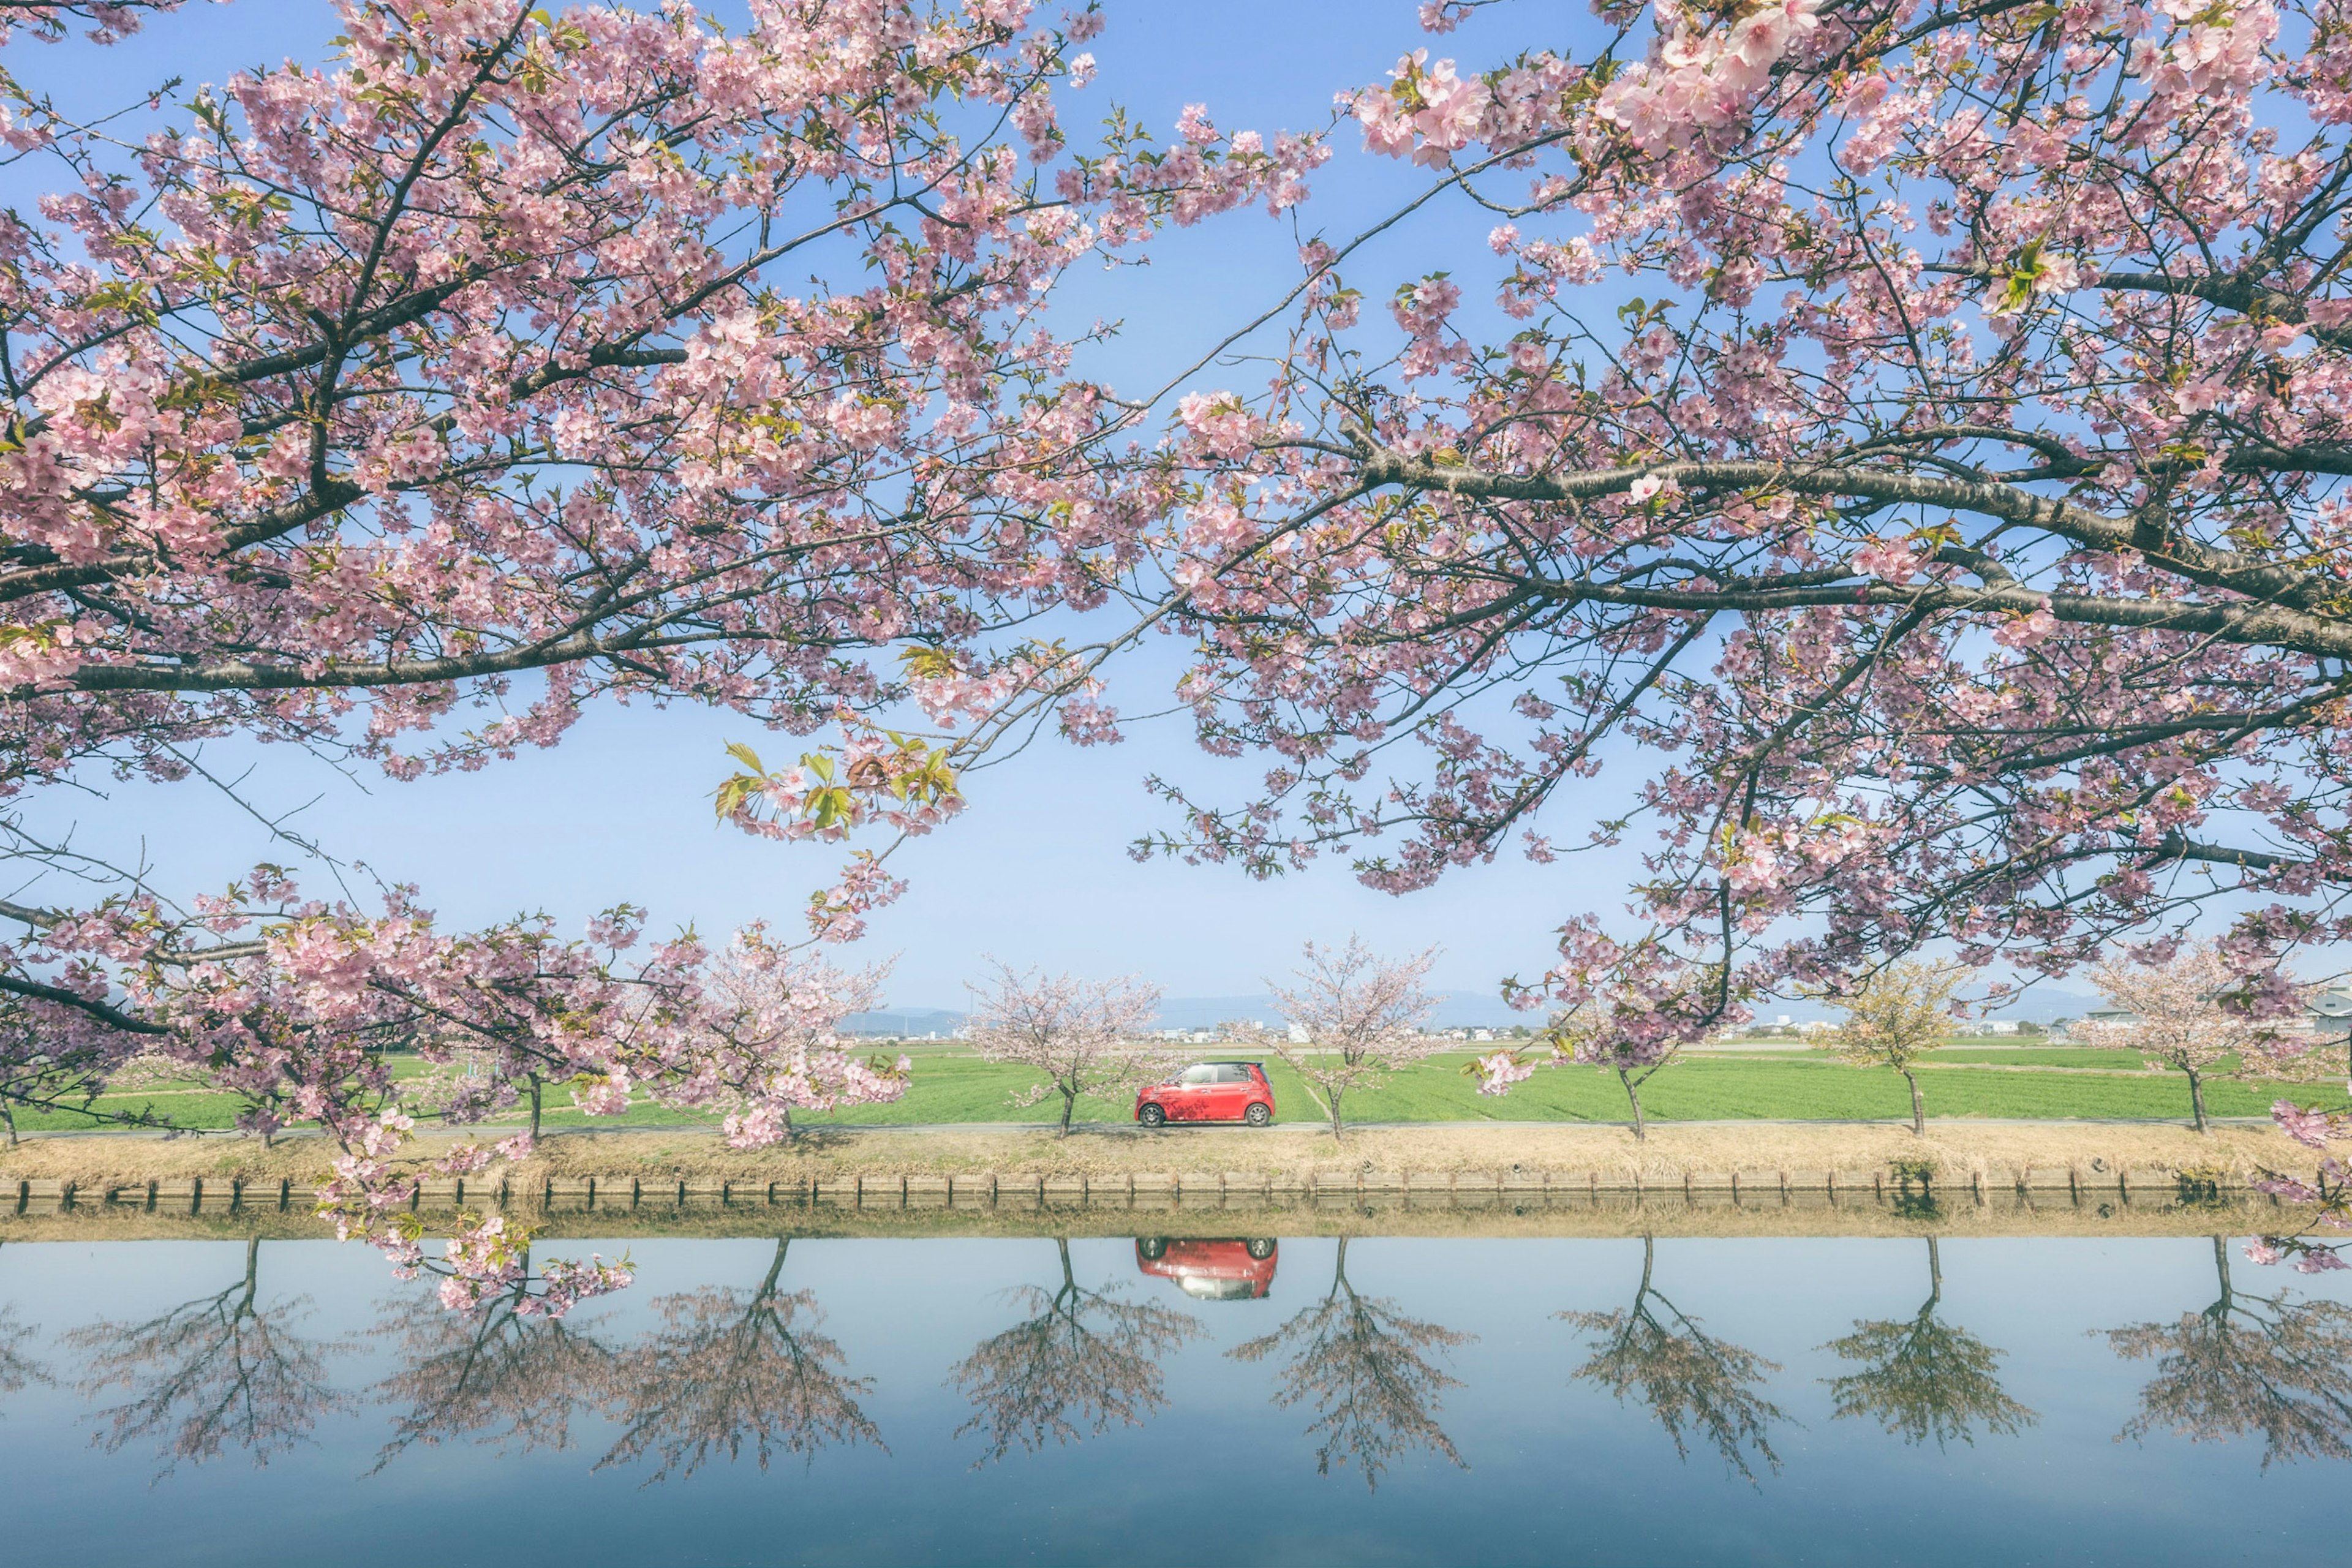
1204	1074
1233	1073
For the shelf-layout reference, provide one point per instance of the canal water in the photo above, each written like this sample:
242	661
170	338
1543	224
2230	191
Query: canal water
1144	1400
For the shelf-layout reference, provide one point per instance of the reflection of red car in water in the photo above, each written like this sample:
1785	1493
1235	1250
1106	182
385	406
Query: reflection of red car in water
1209	1270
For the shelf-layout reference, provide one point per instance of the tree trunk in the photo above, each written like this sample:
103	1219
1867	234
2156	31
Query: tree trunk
9	1120
1069	1104
1919	1111
252	1275
1338	1129
1935	1279
775	1269
1641	1131
2197	1098
534	1108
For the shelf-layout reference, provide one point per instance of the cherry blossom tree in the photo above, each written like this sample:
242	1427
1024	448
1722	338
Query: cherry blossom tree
42	1071
1919	430
1355	1017
2187	1011
1632	1023
402	405
1084	1038
774	1019
1896	1016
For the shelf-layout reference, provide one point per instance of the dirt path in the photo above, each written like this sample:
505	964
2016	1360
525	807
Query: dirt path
1956	1149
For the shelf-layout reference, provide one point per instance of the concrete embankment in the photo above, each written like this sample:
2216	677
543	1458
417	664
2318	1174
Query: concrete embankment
1498	1178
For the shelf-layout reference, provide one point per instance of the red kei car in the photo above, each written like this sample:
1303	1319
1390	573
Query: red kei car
1209	1270
1209	1092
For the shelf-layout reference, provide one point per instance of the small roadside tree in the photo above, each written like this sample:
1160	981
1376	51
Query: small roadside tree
1355	1017
1080	1035
1896	1017
1632	1015
2187	1012
773	1017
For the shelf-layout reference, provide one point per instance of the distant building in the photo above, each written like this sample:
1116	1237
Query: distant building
2329	1012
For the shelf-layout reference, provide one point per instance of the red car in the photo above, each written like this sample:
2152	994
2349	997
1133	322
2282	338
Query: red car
1209	1092
1211	1270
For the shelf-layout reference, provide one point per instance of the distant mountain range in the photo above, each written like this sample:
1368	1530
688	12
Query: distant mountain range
1455	1010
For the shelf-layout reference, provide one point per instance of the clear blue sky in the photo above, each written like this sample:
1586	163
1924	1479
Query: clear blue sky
1035	872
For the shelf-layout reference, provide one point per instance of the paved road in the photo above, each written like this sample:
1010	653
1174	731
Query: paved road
1125	1130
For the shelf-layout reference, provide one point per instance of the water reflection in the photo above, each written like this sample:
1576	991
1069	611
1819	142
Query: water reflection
498	1375
19	1368
1080	1360
2248	1366
210	1374
1100	1368
1687	1378
1364	1368
729	1364
1206	1270
1922	1377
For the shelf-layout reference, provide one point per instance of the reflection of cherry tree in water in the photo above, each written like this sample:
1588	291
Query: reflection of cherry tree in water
1363	1365
1080	1361
212	1374
2249	1364
1924	1378
500	1372
18	1370
727	1366
1687	1378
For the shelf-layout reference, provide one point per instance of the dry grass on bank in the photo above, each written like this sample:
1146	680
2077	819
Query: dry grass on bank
1958	1151
1612	1215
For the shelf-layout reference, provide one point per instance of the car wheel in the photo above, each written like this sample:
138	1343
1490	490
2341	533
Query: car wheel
1151	1116
1258	1114
1260	1249
1152	1247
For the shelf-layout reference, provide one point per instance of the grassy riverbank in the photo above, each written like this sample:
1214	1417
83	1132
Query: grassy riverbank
2040	1083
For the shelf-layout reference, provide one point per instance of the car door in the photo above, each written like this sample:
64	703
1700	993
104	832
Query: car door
1189	1101
1232	1091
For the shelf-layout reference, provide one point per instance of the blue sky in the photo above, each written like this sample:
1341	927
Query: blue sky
1036	872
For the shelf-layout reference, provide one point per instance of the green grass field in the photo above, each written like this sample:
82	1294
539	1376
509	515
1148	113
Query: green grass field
2042	1082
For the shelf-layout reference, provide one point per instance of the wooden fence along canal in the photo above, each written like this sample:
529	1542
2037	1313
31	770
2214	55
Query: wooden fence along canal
2048	1198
